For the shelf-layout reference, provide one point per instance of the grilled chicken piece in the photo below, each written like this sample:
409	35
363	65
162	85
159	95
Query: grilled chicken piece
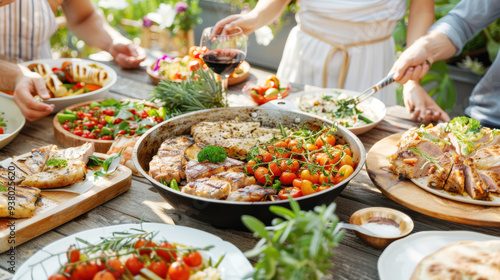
236	179
35	162
488	157
208	188
24	198
456	179
237	138
490	179
439	175
54	177
80	153
413	162
474	186
167	164
251	193
193	150
195	170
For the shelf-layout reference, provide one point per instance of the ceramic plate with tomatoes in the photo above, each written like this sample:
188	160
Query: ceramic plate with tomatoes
47	262
180	68
271	89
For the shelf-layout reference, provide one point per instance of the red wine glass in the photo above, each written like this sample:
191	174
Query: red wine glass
224	52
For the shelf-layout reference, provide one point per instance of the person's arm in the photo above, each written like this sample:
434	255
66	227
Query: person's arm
446	37
25	84
420	18
88	25
264	13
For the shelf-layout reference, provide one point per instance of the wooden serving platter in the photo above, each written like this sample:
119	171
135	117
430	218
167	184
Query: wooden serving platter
410	195
60	207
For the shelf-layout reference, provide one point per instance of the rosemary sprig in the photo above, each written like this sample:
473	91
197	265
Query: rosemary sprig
200	91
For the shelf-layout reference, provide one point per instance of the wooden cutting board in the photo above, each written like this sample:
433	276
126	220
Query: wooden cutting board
410	195
57	207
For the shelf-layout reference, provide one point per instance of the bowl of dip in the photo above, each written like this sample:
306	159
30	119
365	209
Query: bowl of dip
387	225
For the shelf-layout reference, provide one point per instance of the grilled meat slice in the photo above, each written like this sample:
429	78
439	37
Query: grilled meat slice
167	164
251	193
193	150
456	179
236	179
54	177
474	186
208	188
35	162
487	157
237	138
24	198
490	179
195	170
414	162
438	174
80	153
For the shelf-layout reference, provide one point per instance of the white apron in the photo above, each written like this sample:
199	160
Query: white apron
25	30
314	51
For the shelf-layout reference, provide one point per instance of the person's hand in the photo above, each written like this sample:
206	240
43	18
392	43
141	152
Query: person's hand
413	63
229	25
28	85
127	55
421	106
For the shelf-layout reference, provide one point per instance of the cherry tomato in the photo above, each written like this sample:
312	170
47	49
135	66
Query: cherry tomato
193	259
168	256
319	142
346	160
78	132
104	275
122	132
323	179
335	159
275	169
73	254
159	268
134	265
291	167
266	156
84	271
116	267
144	115
117	121
315	178
330	139
193	65
107	137
348	152
65	126
262	175
192	50
58	276
249	166
287	178
280	144
311	147
178	271
297	183
346	171
290	191
141	243
307	188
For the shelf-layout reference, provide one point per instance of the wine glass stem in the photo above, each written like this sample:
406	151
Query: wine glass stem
224	81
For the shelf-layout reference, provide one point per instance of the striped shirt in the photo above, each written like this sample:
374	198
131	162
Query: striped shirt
25	30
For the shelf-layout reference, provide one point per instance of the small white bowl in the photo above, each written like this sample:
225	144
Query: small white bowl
14	119
63	102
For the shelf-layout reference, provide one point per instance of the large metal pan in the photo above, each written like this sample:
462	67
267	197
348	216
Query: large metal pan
227	214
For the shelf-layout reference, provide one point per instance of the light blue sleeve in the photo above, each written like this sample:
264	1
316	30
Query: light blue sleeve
467	19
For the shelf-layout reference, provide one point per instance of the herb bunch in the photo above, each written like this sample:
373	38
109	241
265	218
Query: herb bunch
298	247
200	91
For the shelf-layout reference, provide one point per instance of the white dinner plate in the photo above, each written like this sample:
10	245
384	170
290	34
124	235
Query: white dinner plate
400	258
377	107
422	182
13	118
234	265
63	102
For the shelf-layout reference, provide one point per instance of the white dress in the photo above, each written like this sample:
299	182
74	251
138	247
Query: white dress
343	22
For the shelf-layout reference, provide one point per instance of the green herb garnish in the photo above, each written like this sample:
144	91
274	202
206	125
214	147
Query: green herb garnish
2	188
57	162
213	154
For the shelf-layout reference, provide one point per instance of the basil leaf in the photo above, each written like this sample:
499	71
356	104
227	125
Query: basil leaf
124	115
94	162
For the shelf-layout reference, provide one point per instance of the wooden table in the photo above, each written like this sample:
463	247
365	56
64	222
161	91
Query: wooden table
353	259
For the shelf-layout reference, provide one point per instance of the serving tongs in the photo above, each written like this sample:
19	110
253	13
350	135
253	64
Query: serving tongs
372	90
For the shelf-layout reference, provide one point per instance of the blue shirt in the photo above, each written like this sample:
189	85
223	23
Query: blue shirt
461	24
